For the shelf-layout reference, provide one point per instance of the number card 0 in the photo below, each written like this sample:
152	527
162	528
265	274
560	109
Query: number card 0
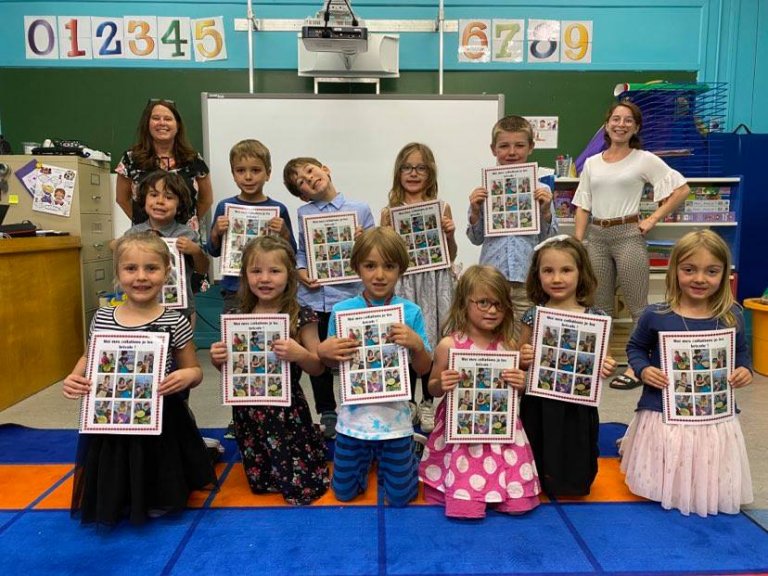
174	292
245	223
126	369
420	225
698	365
253	374
568	350
482	408
510	208
379	371
329	240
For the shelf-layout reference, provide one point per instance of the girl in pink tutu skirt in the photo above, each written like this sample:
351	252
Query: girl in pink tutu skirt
703	468
467	478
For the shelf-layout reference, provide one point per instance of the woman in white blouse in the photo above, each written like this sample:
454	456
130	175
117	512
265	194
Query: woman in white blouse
608	203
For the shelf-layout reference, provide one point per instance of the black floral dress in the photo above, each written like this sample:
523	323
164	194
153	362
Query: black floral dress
281	449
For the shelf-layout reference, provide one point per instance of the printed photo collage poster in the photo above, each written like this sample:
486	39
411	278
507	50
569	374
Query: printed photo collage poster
174	292
568	350
510	208
482	408
379	371
329	239
421	227
253	375
52	188
245	223
698	365
126	369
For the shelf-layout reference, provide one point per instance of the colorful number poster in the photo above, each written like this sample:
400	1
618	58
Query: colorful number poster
245	223
698	365
569	350
126	369
510	208
329	241
53	189
174	292
420	225
253	374
379	372
482	408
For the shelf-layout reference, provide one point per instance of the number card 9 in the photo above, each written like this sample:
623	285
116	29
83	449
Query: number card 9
576	42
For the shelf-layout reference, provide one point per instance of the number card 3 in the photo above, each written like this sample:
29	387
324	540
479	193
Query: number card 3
482	408
569	350
510	208
126	369
329	240
420	225
698	365
253	374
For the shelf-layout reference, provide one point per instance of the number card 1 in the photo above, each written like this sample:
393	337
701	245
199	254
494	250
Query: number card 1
698	365
253	374
482	408
420	225
568	350
245	223
174	292
510	208
329	240
126	368
379	371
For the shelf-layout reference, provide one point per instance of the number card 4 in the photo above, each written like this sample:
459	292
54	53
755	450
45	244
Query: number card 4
420	225
126	369
698	365
510	208
253	374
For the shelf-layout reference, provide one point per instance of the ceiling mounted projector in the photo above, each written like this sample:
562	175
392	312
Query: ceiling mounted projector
335	28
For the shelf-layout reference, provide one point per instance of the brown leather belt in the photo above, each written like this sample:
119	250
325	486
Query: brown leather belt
608	222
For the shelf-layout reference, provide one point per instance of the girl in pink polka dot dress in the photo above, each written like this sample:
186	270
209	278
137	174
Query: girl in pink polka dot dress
467	478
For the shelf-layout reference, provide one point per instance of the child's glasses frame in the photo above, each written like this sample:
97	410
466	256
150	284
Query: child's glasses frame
419	168
484	305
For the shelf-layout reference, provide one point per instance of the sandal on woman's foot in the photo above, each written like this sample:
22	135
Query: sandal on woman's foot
624	382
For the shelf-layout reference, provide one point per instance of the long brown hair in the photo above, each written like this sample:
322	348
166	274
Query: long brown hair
635	141
144	149
397	193
585	287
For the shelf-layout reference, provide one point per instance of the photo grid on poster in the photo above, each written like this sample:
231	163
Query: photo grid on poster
253	374
482	408
174	291
569	351
420	225
126	369
698	364
329	240
245	223
510	208
379	370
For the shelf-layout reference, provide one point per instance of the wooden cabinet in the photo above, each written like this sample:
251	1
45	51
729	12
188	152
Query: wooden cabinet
90	219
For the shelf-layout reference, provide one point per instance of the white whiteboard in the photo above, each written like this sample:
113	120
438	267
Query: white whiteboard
358	138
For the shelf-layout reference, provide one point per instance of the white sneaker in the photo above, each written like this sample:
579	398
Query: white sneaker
427	416
414	413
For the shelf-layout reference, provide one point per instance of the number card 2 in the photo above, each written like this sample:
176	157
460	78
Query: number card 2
253	374
482	408
126	369
569	350
510	208
245	223
698	365
379	371
420	225
174	292
329	240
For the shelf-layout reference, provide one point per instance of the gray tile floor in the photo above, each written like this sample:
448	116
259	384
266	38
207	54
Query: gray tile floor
49	409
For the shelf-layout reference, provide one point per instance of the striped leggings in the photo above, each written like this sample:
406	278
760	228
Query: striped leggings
398	468
619	253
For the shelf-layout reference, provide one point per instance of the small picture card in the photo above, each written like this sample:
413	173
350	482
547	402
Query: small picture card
420	225
245	223
482	408
174	292
329	239
568	350
698	365
253	374
510	208
379	372
126	369
53	190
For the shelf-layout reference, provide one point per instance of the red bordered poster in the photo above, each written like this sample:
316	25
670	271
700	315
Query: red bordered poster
174	291
420	225
329	239
245	223
510	208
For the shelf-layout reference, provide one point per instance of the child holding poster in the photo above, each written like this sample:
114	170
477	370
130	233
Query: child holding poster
694	468
467	478
414	181
133	475
563	435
